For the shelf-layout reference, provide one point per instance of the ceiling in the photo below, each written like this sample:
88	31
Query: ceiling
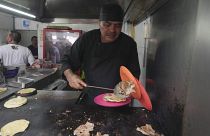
80	10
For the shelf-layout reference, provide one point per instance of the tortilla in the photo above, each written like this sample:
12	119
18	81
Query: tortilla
14	127
3	89
26	92
111	97
15	102
84	130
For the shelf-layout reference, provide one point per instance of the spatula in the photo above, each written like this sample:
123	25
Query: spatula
110	89
98	87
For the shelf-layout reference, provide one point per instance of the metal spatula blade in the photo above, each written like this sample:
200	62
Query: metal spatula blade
115	91
98	87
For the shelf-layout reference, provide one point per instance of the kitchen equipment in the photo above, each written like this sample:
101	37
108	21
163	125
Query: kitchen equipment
10	71
140	93
2	78
110	89
25	81
100	101
126	75
98	87
8	93
52	112
144	100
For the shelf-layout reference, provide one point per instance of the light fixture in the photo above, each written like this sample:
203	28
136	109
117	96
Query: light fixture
17	11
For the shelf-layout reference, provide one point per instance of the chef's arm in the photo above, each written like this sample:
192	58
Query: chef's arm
71	61
74	80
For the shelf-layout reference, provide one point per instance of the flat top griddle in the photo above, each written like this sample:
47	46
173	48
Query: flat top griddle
54	113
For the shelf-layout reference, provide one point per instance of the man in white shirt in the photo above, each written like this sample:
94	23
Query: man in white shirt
13	54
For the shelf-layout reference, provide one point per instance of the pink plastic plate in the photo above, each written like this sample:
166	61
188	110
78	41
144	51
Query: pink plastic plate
100	101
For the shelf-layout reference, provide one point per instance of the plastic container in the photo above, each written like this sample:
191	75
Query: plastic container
10	72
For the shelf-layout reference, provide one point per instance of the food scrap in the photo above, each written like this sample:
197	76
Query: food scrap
99	134
148	130
84	130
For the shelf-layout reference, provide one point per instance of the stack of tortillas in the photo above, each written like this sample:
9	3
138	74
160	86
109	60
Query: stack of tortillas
15	102
2	89
14	127
27	92
84	129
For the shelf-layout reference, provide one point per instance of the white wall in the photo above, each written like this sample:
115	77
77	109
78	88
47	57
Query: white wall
25	24
27	29
6	22
26	36
139	33
141	38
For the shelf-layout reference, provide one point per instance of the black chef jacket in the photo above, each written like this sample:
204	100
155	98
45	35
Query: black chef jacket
101	61
34	51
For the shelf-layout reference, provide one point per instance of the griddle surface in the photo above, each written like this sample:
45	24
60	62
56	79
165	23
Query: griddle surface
54	113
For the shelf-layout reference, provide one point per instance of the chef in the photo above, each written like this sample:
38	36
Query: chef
101	52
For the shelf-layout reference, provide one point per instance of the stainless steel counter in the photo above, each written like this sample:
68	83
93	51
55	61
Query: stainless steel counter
9	92
36	78
31	77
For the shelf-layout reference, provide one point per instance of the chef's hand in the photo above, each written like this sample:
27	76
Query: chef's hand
74	80
36	64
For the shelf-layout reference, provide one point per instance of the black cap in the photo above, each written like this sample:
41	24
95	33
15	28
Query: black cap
111	12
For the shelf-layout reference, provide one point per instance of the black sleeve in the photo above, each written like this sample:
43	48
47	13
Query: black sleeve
73	56
133	65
